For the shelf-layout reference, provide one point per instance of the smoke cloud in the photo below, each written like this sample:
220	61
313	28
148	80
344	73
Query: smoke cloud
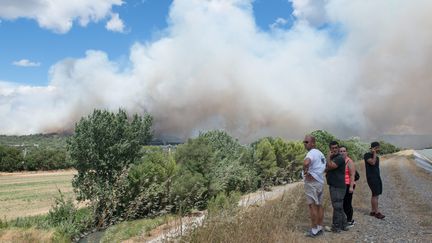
355	68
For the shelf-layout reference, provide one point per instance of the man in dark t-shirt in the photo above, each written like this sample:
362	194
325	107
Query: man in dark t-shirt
336	181
373	178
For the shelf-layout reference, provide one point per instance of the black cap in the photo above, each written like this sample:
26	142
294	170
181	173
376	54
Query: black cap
374	144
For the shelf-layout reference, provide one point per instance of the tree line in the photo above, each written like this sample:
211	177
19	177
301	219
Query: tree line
22	159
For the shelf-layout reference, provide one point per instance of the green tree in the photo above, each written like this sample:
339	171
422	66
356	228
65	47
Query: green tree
192	184
289	159
196	155
10	159
265	162
222	143
231	175
356	148
103	147
226	172
46	159
214	161
150	184
190	190
283	157
323	139
388	148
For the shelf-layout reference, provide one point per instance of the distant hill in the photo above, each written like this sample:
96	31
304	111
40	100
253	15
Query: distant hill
55	140
408	140
52	140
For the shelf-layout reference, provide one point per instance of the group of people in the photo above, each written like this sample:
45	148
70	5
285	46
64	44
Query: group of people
339	170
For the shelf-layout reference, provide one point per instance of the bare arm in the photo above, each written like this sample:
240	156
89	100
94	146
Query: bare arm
306	164
351	168
330	164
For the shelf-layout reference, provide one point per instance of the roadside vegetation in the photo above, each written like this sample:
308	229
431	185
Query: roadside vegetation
63	223
120	178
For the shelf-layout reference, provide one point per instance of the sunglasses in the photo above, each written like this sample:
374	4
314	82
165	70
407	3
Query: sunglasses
305	142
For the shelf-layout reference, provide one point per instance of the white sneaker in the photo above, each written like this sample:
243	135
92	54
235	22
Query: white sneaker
351	223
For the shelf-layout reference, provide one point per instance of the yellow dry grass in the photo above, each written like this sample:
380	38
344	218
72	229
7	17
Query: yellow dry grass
26	236
31	193
281	220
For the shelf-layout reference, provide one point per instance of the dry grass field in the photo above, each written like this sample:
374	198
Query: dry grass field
31	193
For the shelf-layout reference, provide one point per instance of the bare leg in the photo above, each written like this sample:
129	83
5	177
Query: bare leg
374	204
313	212
320	215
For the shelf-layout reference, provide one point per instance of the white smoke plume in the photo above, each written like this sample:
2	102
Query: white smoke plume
355	68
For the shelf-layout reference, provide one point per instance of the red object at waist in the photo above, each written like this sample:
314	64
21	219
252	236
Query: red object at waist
347	173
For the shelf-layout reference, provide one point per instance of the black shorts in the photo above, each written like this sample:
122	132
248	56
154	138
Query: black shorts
375	185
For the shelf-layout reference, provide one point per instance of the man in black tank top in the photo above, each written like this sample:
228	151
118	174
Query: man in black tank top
373	178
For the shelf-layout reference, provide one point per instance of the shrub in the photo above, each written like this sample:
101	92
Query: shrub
388	148
150	184
230	175
190	190
67	219
216	162
223	204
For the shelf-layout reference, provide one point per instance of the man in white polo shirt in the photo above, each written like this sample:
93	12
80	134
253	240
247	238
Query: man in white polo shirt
313	173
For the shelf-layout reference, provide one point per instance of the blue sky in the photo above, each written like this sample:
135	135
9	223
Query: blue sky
144	20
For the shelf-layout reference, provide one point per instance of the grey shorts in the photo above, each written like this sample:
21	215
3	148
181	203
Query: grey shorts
314	192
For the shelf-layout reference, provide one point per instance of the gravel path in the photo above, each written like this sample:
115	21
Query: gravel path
406	201
416	179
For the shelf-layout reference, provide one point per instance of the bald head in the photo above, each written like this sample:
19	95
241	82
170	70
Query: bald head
309	142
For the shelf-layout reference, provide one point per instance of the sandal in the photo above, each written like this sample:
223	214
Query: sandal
379	216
